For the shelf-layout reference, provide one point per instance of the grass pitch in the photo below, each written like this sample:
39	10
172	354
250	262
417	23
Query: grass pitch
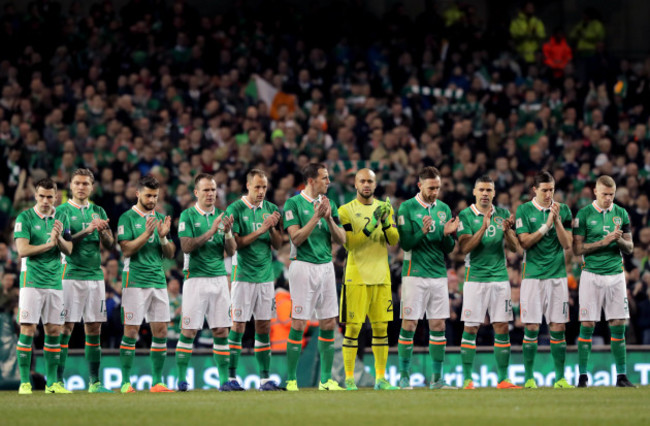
309	407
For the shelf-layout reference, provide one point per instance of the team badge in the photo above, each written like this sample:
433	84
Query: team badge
186	320
407	311
583	312
617	220
120	230
265	215
297	309
237	313
351	315
442	216
128	316
24	314
498	220
95	216
467	313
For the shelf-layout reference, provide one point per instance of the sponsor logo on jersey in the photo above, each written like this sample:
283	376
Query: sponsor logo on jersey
593	222
197	225
519	223
460	226
245	218
400	220
74	218
419	216
576	222
37	227
138	225
476	221
305	211
533	219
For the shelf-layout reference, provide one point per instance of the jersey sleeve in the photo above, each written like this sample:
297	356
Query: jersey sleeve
448	242
124	229
102	214
65	221
22	228
408	235
567	218
185	225
625	225
335	213
344	217
521	221
580	224
290	214
464	225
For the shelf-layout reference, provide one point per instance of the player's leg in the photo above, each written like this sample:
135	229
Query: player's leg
66	332
94	315
500	311
235	338
183	355
557	315
412	307
219	321
221	356
53	318
158	315
353	311
74	299
473	315
327	311
303	289
30	303
294	348
405	350
617	313
468	352
380	312
591	299
132	317
437	313
531	317
241	294
264	312
196	292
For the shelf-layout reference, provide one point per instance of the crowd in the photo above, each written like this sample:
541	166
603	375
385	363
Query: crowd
159	88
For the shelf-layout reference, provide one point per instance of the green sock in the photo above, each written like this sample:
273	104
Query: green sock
529	349
221	358
24	355
183	356
437	345
52	353
502	354
263	354
93	354
294	347
127	354
584	347
617	345
467	353
65	338
326	350
234	341
158	354
405	352
558	351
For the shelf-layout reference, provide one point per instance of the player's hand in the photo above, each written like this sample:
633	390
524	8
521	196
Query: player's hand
487	218
164	226
374	220
215	225
509	223
427	221
271	221
320	210
328	207
386	208
57	230
150	225
615	235
555	208
227	223
451	226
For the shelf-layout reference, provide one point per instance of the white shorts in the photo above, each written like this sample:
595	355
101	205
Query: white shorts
85	299
253	299
206	298
41	303
492	297
420	295
549	297
150	304
598	292
313	290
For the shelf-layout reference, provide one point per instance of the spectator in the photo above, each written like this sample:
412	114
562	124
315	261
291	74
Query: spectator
527	32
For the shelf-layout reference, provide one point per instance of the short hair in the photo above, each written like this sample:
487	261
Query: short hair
148	181
484	179
606	181
45	183
429	172
202	176
255	172
83	172
543	177
311	170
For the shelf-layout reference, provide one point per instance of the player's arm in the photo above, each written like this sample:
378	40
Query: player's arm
189	244
27	250
468	242
409	235
352	239
131	247
625	243
269	225
276	235
57	236
564	235
229	242
332	217
299	235
448	241
526	238
106	237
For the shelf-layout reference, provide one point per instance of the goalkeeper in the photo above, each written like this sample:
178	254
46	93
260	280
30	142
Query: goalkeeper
366	290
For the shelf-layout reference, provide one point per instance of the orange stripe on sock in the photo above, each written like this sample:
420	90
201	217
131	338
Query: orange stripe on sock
405	342
325	340
23	349
189	351
221	353
295	342
556	342
235	347
51	350
268	348
128	348
502	345
530	341
616	340
468	346
92	344
64	346
433	342
580	339
158	349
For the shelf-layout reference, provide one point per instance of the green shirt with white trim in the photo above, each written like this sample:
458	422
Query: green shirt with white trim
253	262
594	223
424	254
42	270
207	260
487	262
145	268
317	248
85	261
545	259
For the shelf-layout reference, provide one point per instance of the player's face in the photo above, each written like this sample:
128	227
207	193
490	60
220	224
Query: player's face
322	182
544	193
257	188
206	192
484	193
81	187
604	195
147	198
45	199
429	189
365	183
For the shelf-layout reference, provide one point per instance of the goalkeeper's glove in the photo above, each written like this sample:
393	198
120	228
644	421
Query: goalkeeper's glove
385	212
374	221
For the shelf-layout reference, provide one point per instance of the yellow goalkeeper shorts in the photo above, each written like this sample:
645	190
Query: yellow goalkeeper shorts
373	301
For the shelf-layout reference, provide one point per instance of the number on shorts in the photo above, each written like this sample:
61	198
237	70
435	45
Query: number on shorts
565	308
508	305
101	306
390	306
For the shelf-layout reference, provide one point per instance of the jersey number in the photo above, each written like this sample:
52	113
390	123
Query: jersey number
491	231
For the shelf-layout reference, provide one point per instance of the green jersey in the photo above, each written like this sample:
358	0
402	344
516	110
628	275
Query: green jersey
317	248
85	261
145	268
253	262
42	270
424	254
545	259
594	223
207	260
487	262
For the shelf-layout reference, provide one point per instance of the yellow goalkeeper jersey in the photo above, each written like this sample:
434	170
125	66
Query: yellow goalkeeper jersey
367	255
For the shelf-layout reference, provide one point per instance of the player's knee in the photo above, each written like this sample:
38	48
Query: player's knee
535	327
379	329
616	322
68	327
262	327
501	327
190	334
218	332
589	324
436	325
328	324
92	328
28	329
239	327
352	330
555	326
52	329
298	325
409	325
471	329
